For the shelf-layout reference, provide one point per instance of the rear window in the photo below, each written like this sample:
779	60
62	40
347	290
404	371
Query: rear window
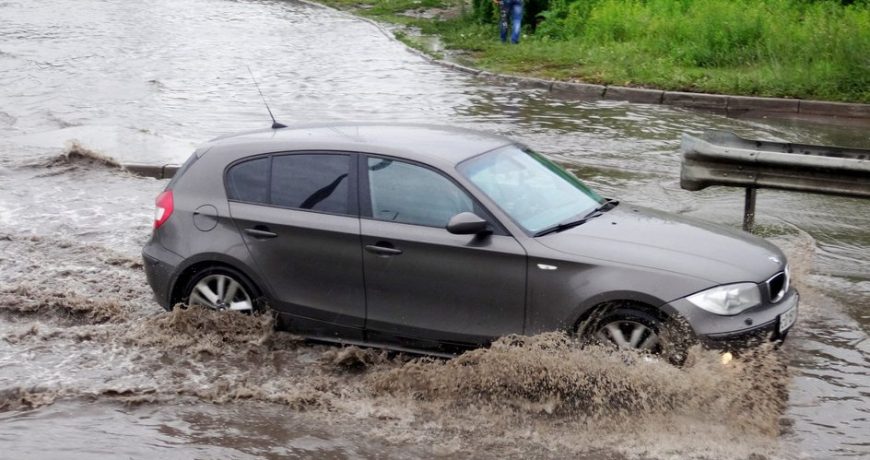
248	181
315	182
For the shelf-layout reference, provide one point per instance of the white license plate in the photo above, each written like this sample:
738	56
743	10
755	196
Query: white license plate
787	319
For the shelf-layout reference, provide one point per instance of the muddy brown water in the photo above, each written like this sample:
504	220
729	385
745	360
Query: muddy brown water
90	367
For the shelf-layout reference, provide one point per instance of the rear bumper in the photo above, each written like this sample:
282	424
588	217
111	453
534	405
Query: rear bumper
751	327
160	266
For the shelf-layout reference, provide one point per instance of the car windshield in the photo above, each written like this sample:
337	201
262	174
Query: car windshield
535	192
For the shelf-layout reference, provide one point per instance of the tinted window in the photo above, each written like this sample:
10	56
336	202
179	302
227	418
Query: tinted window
248	181
402	192
316	182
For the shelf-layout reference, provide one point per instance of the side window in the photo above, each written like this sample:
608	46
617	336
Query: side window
316	182
248	181
410	194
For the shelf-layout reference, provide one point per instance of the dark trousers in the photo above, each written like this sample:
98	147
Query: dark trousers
513	10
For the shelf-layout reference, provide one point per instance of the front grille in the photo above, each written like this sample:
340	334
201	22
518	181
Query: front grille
777	286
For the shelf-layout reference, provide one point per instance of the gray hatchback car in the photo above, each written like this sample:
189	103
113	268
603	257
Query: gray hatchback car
437	239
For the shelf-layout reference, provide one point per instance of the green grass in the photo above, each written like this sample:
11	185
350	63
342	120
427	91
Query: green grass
781	48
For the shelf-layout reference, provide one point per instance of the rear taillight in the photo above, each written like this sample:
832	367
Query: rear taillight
164	208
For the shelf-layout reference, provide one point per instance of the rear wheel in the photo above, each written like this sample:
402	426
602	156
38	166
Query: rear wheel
221	289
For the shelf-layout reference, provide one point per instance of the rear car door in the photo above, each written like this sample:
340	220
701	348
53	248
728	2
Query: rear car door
298	215
425	286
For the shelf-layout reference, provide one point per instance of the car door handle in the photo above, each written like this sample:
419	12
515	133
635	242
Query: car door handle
260	232
383	250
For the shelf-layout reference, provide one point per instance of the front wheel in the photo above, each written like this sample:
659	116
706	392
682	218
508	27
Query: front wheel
631	329
220	289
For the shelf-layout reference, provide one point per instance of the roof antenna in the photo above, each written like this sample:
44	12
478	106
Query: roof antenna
275	124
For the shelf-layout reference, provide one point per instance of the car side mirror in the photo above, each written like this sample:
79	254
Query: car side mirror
467	223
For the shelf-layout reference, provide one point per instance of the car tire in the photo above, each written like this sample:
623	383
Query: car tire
221	288
628	328
635	328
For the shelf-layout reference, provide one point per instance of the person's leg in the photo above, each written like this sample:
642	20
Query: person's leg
503	25
516	19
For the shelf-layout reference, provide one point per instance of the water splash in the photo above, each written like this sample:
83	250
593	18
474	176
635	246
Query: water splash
78	156
551	374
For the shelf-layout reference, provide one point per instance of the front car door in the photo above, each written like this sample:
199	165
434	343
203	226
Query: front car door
298	215
426	287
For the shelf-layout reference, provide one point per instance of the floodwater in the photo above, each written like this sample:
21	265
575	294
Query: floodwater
90	367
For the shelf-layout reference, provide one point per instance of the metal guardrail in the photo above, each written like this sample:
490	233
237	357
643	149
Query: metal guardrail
723	158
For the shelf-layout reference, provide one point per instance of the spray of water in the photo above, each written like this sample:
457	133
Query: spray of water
545	395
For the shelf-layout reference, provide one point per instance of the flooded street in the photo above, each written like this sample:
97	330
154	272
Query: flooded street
91	367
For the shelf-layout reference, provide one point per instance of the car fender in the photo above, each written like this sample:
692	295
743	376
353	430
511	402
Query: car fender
616	297
218	259
610	297
558	299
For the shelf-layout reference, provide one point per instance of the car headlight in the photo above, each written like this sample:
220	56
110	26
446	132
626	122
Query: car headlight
730	299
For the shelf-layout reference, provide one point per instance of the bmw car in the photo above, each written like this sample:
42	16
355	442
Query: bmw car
439	239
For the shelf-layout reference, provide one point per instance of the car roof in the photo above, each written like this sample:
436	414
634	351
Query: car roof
420	142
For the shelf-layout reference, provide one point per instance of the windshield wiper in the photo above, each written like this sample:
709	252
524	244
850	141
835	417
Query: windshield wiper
565	225
574	221
609	203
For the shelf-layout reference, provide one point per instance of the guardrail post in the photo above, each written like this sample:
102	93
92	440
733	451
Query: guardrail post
749	209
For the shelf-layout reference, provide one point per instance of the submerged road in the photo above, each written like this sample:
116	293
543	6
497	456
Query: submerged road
91	368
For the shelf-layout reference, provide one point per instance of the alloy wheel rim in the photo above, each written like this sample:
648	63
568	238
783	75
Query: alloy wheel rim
629	334
221	292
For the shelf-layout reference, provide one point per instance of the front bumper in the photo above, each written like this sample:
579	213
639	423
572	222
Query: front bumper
759	324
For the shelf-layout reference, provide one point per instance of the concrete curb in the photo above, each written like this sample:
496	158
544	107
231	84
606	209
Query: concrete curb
582	91
642	95
148	170
810	107
715	102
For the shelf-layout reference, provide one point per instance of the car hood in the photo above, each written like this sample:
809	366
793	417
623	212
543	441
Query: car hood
658	240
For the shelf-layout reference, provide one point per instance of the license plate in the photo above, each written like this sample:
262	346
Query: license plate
787	319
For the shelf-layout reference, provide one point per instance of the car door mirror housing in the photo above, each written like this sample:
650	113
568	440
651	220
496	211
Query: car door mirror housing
468	223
